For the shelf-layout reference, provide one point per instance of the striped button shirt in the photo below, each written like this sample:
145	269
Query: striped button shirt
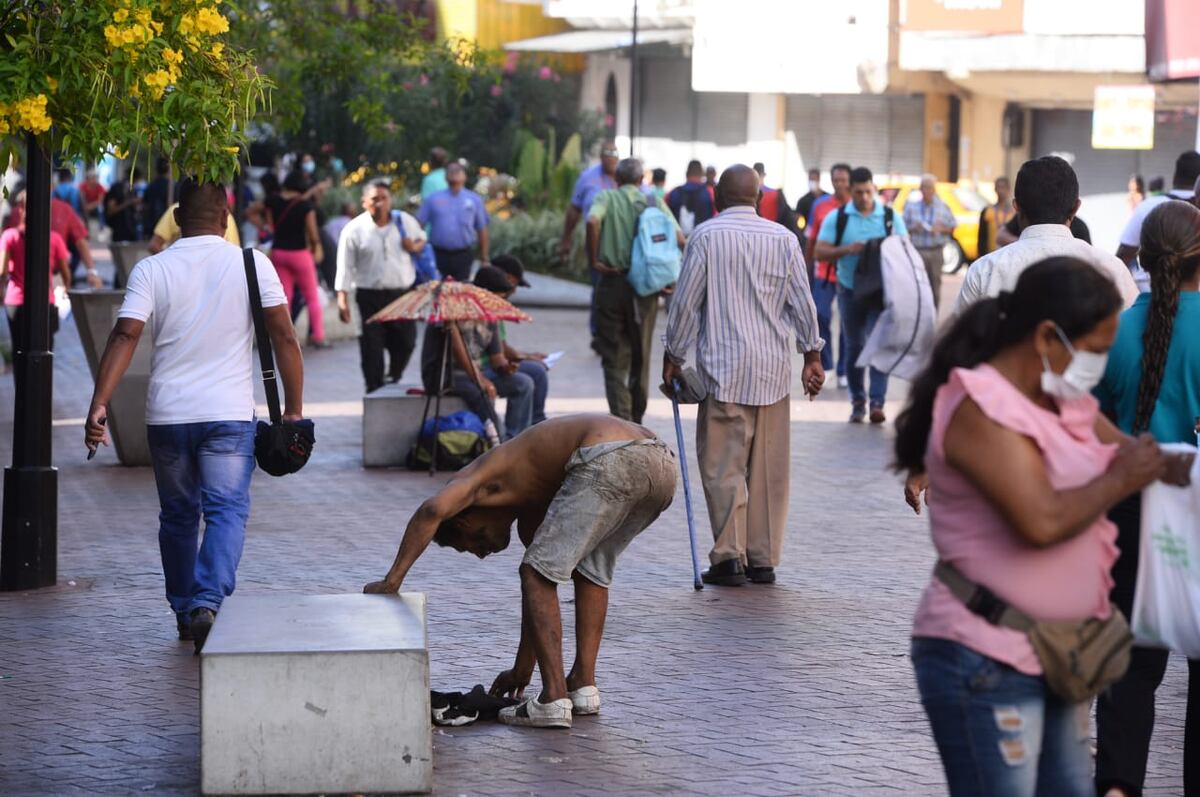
742	294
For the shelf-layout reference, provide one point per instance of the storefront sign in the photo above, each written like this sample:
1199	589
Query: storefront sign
1123	117
974	16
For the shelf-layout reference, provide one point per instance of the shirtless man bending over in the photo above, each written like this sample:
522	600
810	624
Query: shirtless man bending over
580	488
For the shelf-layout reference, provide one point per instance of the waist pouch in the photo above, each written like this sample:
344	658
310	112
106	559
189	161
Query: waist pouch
1079	658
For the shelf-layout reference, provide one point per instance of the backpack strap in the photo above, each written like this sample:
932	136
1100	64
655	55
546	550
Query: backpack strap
888	216
265	354
840	225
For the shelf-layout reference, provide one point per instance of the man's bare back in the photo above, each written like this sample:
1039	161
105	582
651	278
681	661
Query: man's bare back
528	470
517	479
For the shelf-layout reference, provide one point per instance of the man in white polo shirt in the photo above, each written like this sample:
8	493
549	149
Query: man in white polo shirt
374	260
200	403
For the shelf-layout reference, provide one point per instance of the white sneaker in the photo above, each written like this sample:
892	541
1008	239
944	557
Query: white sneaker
843	383
535	714
585	700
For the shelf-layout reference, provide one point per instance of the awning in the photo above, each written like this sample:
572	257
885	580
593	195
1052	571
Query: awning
590	41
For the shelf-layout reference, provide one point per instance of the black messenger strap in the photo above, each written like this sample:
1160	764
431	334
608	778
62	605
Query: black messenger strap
981	600
265	354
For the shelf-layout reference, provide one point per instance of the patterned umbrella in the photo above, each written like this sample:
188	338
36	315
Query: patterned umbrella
436	302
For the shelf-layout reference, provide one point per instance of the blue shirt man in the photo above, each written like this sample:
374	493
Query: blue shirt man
456	220
68	192
601	177
861	226
864	221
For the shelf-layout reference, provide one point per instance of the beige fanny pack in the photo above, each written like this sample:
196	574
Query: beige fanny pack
1080	658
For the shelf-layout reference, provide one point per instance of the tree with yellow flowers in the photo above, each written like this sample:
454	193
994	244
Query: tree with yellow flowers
94	76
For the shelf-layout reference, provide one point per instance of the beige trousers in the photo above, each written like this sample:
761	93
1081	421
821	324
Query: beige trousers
745	461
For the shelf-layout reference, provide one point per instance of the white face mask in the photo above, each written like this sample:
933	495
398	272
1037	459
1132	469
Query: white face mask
1083	373
814	186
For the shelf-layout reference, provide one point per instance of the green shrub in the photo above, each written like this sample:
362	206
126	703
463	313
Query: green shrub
533	237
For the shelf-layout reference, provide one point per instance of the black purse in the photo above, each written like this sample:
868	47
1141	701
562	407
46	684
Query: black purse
280	447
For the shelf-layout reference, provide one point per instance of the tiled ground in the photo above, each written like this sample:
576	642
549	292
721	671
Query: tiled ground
802	688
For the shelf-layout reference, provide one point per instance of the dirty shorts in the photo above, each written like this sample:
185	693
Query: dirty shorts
611	493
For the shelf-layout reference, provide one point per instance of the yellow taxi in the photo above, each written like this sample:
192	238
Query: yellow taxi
965	203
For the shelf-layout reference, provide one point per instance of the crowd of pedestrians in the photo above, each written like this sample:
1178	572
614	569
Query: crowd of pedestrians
1029	433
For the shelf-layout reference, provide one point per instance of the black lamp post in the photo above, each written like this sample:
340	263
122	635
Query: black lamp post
29	539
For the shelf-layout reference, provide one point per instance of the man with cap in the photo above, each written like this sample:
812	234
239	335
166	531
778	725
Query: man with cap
530	363
497	367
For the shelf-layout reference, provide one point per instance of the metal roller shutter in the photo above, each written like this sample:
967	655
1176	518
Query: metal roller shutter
670	109
882	132
665	107
1101	171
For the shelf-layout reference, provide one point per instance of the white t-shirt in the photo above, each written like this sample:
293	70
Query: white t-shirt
194	298
1132	234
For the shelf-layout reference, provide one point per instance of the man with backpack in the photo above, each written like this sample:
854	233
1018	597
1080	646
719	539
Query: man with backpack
621	221
844	238
773	205
694	202
743	297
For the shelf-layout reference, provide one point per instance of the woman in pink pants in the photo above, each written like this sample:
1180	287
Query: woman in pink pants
296	249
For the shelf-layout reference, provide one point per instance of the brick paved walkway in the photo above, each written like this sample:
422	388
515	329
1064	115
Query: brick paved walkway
802	688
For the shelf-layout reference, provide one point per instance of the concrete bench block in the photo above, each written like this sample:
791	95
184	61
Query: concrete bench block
392	421
316	694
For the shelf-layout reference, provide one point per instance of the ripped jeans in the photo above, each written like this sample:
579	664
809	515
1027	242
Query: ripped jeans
999	732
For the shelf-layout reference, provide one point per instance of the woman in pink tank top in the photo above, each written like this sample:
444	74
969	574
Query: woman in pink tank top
1021	467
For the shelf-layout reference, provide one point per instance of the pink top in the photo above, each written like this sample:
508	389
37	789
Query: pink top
1067	581
12	241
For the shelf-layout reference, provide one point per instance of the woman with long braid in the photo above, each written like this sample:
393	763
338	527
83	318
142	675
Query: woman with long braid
1151	384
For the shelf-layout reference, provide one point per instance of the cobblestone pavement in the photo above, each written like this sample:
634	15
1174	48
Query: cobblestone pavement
802	688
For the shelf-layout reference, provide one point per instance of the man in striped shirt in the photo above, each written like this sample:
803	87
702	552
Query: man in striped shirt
742	295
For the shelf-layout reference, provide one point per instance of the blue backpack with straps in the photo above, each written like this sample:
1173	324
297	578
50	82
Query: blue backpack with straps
423	261
655	261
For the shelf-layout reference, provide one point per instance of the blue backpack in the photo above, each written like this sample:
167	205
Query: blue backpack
654	263
423	261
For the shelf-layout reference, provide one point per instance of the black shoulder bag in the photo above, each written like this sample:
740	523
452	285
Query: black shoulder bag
280	447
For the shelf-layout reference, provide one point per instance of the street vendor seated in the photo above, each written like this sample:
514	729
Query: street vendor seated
579	488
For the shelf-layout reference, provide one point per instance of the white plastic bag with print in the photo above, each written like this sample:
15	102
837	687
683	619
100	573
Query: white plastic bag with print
1166	605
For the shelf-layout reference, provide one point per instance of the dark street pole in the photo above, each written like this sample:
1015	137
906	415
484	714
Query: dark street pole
29	538
633	85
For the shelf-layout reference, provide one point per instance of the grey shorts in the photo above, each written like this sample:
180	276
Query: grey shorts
611	493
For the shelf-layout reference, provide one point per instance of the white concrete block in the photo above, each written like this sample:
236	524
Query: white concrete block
392	421
316	694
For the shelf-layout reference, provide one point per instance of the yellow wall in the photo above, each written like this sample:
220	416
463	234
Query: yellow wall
937	135
493	23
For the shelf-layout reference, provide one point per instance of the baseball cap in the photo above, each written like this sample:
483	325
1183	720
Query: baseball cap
511	266
492	279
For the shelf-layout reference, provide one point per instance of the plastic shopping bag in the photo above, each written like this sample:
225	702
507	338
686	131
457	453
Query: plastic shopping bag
1166	605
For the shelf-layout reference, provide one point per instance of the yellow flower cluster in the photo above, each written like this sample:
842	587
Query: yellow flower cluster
27	114
157	82
142	28
204	20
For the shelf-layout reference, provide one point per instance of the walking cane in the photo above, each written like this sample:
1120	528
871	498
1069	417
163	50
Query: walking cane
687	488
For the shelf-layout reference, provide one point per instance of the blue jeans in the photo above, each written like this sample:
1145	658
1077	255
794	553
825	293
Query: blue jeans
541	386
824	293
856	328
202	468
518	388
1000	733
